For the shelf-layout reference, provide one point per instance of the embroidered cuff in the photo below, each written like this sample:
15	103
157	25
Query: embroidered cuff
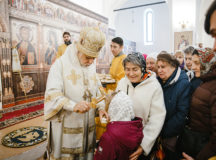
70	106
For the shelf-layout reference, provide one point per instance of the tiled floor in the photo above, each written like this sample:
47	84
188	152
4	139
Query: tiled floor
27	153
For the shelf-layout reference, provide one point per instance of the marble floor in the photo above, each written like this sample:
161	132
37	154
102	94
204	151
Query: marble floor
27	153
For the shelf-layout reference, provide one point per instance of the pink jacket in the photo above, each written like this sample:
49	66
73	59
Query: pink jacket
120	140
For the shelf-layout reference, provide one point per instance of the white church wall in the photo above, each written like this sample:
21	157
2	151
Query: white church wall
184	12
130	25
201	35
183	19
108	7
93	5
168	19
192	13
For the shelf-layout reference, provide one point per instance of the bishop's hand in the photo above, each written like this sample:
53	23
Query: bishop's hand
82	107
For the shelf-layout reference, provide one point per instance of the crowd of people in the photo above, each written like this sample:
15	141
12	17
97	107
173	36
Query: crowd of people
163	107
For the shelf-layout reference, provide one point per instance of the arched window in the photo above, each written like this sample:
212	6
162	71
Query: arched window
148	27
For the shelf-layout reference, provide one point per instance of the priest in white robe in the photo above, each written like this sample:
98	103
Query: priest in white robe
71	84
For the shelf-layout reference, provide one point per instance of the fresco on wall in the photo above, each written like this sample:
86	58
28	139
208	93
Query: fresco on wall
52	39
49	11
36	30
24	37
183	39
74	36
105	57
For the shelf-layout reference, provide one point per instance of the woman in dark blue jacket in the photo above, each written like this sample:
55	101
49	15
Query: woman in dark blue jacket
176	89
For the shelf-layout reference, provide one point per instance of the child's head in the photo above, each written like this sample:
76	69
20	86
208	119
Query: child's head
121	108
188	57
180	56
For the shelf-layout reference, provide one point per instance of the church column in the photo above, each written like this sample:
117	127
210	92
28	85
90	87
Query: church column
7	98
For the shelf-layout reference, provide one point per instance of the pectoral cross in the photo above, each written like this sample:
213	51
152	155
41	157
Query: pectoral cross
73	77
97	100
106	97
87	95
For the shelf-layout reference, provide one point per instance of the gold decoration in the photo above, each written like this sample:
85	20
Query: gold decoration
73	77
97	100
91	41
10	91
6	91
4	62
27	84
65	101
73	130
5	74
106	97
71	150
52	96
8	62
9	74
87	95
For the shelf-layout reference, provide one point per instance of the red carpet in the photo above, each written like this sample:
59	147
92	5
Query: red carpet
20	113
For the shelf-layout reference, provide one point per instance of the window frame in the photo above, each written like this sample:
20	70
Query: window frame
146	25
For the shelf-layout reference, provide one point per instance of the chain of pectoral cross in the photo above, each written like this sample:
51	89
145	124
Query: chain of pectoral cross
87	94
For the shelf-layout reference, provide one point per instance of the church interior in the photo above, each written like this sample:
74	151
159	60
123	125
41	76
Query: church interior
147	26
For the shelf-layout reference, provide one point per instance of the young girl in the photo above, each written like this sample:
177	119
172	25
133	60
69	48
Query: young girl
124	131
180	57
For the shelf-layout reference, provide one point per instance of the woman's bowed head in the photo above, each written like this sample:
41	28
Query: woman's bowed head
167	64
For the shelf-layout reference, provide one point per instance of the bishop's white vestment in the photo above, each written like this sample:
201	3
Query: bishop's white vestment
68	83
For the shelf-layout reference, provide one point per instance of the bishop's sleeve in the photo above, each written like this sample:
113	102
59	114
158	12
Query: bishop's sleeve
55	100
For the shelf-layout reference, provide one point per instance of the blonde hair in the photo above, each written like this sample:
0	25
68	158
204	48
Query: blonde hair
179	52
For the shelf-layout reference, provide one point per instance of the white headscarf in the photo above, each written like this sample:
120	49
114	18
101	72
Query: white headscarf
152	55
121	108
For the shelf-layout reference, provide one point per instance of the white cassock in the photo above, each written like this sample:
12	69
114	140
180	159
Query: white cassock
72	134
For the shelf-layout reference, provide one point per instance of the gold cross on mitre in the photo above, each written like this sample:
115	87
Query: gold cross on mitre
73	77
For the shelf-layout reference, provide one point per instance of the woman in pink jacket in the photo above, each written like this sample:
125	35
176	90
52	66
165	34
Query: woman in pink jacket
124	131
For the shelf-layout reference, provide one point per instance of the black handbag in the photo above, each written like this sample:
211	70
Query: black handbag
191	142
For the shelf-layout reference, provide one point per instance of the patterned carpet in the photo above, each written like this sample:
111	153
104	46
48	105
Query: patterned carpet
25	137
20	113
